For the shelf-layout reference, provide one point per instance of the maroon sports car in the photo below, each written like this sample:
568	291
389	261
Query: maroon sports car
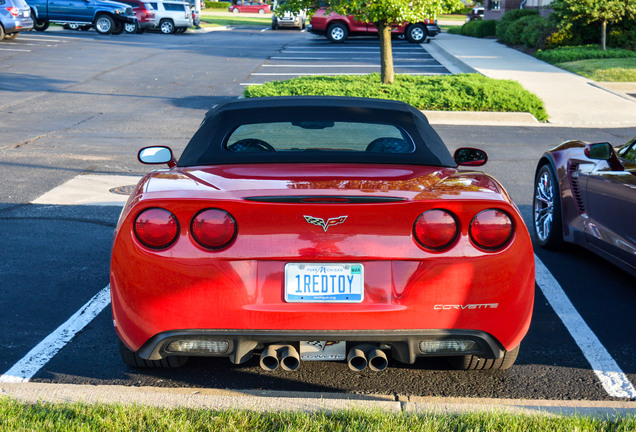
586	194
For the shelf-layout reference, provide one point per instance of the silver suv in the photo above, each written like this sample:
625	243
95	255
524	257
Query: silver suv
15	16
172	16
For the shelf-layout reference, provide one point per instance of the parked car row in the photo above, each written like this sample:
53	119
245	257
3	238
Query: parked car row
107	17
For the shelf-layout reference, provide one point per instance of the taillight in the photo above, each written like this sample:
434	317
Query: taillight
491	229
213	228
13	11
156	228
435	229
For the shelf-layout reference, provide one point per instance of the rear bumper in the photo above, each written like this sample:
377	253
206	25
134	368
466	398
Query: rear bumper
295	22
17	25
403	344
433	30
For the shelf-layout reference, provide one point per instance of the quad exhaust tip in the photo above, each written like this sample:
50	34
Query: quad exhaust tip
358	359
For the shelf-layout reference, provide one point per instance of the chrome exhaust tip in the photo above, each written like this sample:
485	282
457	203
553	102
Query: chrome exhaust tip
356	359
377	360
363	355
285	356
269	359
289	358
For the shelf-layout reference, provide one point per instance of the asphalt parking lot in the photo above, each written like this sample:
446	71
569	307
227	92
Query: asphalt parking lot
77	104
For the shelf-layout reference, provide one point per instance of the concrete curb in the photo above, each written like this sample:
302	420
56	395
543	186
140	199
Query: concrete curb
481	118
268	401
446	59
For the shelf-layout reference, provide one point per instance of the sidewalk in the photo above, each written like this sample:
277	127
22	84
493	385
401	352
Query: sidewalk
570	100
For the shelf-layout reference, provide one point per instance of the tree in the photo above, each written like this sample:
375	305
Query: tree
592	11
383	14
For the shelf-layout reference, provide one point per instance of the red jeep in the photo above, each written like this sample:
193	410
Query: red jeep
337	28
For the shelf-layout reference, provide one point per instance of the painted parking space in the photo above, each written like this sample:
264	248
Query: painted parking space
316	56
41	362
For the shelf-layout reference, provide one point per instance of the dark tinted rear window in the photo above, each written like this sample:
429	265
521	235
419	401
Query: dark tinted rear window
174	7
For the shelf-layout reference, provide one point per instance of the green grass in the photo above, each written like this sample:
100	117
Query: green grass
16	416
617	70
453	17
466	92
235	20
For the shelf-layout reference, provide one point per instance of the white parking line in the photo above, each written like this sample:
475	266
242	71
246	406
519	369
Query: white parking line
35	359
336	73
350	66
17	50
613	379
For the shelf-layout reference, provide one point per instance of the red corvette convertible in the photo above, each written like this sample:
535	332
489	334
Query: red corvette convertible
320	228
586	194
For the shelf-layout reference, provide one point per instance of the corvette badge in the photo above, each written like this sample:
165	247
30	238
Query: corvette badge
325	225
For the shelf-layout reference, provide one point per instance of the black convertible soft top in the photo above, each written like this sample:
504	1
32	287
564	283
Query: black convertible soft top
207	145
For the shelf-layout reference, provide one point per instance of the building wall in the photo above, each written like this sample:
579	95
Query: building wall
494	9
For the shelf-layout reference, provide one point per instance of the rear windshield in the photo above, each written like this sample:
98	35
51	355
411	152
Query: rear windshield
306	136
20	4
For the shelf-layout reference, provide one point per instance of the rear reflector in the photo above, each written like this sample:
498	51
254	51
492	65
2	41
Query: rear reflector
491	229
156	228
198	346
448	346
435	229
213	228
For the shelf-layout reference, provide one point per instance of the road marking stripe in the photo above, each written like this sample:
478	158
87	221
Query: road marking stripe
17	50
423	57
613	379
341	73
35	359
349	66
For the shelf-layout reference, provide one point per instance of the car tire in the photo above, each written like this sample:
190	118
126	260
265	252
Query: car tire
416	33
133	360
140	31
236	11
167	26
473	362
131	28
274	27
104	24
2	33
547	221
337	33
9	36
261	11
118	29
40	25
303	26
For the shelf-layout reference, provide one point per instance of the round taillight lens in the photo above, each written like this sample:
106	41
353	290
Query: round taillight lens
213	228
435	229
156	228
491	229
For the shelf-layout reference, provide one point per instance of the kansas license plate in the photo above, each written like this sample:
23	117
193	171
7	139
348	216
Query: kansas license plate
324	283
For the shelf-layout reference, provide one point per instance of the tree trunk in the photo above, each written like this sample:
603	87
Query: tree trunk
386	53
604	35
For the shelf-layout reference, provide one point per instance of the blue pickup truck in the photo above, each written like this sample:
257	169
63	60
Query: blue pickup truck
108	17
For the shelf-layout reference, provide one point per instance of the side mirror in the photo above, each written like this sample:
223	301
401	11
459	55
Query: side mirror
470	156
604	151
156	155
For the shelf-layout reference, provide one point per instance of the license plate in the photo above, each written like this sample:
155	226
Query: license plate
324	283
26	14
323	350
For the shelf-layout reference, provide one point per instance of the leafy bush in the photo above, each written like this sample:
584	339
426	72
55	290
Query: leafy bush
511	16
479	28
466	92
217	5
536	32
574	53
622	36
